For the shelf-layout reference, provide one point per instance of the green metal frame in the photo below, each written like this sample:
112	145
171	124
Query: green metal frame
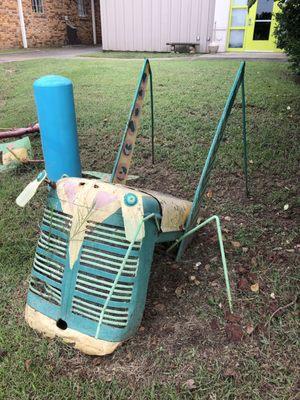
220	239
193	216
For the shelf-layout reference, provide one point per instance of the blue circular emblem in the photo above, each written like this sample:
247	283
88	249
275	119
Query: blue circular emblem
130	199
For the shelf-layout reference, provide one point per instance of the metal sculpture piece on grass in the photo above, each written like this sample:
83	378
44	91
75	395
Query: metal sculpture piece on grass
92	263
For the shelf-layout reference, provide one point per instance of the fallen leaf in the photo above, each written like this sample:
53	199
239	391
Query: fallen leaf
252	278
3	353
207	267
179	291
243	284
190	384
214	325
255	288
27	364
229	373
249	329
234	332
236	244
209	194
232	317
242	270
254	261
245	249
227	218
159	307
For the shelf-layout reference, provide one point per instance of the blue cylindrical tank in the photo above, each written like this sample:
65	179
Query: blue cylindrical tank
56	115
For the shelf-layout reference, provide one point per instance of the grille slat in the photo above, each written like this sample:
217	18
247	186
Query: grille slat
44	290
108	240
47	273
47	270
114	317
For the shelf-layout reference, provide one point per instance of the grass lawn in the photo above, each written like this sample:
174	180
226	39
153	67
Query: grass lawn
186	333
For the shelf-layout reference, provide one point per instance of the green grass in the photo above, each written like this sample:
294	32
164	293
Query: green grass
180	343
135	54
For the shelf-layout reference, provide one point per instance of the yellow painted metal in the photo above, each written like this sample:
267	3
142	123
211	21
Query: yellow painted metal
248	43
260	45
174	211
234	7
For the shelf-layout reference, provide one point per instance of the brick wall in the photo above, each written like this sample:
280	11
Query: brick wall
9	24
49	27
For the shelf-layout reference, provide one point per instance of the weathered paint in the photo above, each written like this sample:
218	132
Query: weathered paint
82	342
125	153
14	153
92	200
174	211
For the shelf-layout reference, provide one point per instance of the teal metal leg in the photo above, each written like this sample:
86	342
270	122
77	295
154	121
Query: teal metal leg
120	271
152	116
220	239
245	137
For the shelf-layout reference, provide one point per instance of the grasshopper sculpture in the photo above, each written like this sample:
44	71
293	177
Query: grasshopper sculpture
92	263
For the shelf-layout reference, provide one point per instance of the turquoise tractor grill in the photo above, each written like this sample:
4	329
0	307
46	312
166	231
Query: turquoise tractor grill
75	297
93	258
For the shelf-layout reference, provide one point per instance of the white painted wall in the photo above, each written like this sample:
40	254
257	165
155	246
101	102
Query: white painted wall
221	21
147	25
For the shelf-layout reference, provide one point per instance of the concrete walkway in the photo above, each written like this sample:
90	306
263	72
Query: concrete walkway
266	56
33	54
75	52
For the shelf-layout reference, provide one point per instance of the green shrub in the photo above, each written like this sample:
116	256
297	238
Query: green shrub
287	31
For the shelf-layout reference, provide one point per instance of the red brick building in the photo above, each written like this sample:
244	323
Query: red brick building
38	23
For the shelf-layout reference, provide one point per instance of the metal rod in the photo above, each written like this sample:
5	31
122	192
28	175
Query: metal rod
19	131
245	137
220	239
152	117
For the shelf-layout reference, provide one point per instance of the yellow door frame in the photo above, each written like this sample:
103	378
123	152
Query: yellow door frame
248	43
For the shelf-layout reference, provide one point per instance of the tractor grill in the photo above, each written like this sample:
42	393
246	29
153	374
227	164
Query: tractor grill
45	290
116	317
57	219
49	260
51	269
111	235
99	265
100	287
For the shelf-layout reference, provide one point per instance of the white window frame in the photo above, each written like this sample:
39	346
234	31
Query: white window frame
81	8
37	6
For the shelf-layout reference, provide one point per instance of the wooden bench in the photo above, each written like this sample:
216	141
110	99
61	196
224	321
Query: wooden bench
191	45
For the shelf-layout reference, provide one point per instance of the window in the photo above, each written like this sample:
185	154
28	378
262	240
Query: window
263	20
81	8
37	6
